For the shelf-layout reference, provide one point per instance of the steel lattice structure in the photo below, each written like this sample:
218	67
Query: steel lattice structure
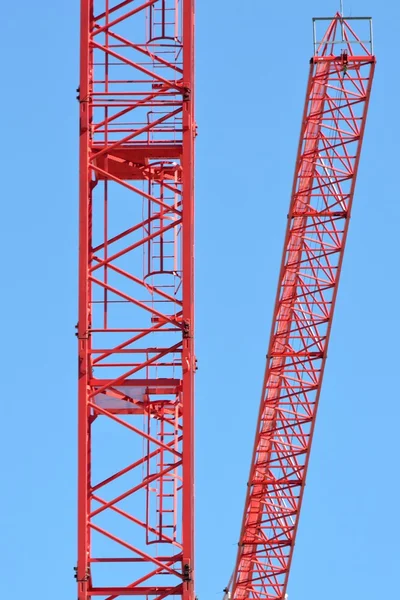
136	302
135	329
337	97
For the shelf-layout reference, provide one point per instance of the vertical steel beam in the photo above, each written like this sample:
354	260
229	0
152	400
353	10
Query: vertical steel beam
188	356
82	570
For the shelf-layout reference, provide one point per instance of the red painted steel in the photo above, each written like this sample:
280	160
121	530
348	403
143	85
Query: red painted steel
135	329
329	151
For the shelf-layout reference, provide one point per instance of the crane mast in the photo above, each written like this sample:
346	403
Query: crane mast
334	117
136	317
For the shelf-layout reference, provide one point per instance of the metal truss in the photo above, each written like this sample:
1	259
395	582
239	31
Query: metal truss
135	330
337	97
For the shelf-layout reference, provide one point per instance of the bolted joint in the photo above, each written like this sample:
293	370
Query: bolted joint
86	578
187	572
85	336
186	329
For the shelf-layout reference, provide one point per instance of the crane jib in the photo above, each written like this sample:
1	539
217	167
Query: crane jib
337	97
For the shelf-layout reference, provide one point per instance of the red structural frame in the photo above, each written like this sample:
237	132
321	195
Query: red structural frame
337	97
136	300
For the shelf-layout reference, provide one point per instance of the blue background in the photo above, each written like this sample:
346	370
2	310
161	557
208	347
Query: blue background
252	65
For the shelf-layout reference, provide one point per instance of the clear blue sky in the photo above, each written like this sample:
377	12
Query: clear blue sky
252	58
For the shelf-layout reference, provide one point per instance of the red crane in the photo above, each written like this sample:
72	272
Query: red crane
136	302
332	130
135	329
